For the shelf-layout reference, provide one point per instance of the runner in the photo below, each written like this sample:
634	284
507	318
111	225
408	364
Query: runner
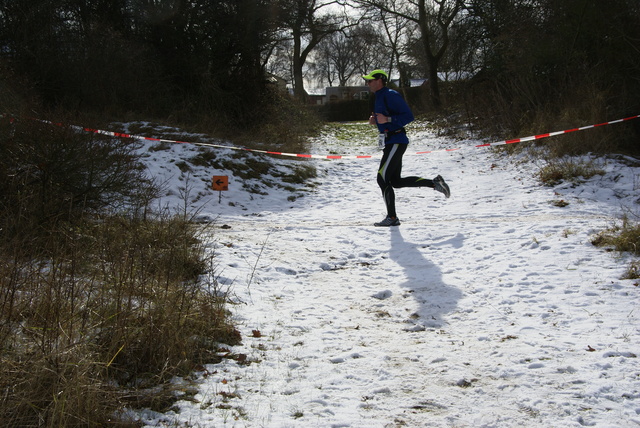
391	113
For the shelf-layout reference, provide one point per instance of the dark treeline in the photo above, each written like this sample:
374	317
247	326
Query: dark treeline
552	63
533	61
159	57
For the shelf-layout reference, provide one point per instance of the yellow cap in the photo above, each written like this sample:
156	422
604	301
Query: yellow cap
376	74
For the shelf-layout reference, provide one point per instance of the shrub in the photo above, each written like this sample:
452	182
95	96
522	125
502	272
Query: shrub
50	174
99	298
113	307
633	271
625	237
567	169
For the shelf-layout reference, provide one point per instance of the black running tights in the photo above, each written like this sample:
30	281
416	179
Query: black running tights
389	176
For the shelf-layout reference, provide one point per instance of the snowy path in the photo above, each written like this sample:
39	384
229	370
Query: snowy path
490	309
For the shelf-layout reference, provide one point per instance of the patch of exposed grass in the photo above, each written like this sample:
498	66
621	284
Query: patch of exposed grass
205	157
633	271
567	169
353	133
622	238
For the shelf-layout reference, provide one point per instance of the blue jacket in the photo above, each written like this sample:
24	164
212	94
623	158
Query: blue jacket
390	103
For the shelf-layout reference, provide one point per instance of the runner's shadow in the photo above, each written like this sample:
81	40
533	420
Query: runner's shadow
423	280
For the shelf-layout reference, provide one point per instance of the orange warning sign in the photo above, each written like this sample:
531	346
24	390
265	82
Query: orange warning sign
220	182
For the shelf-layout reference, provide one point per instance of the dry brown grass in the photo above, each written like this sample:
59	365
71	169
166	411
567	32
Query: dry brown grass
624	237
95	308
113	306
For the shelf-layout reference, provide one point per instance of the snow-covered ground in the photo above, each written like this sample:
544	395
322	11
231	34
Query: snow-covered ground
488	309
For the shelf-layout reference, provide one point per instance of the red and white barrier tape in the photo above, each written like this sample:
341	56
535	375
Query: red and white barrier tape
552	134
312	156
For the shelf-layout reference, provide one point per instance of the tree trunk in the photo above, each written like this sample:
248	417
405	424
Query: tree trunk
432	60
298	64
434	84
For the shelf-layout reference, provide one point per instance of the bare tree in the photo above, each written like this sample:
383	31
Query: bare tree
308	26
331	59
280	59
345	55
396	30
434	19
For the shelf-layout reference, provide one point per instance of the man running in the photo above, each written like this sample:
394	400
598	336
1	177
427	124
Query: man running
391	113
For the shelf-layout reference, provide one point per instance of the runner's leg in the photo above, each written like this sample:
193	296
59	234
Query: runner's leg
389	172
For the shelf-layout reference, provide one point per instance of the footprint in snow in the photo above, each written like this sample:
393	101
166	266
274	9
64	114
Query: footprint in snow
286	271
382	295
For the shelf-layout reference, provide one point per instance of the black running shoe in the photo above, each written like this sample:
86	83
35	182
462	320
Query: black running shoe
388	221
441	186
